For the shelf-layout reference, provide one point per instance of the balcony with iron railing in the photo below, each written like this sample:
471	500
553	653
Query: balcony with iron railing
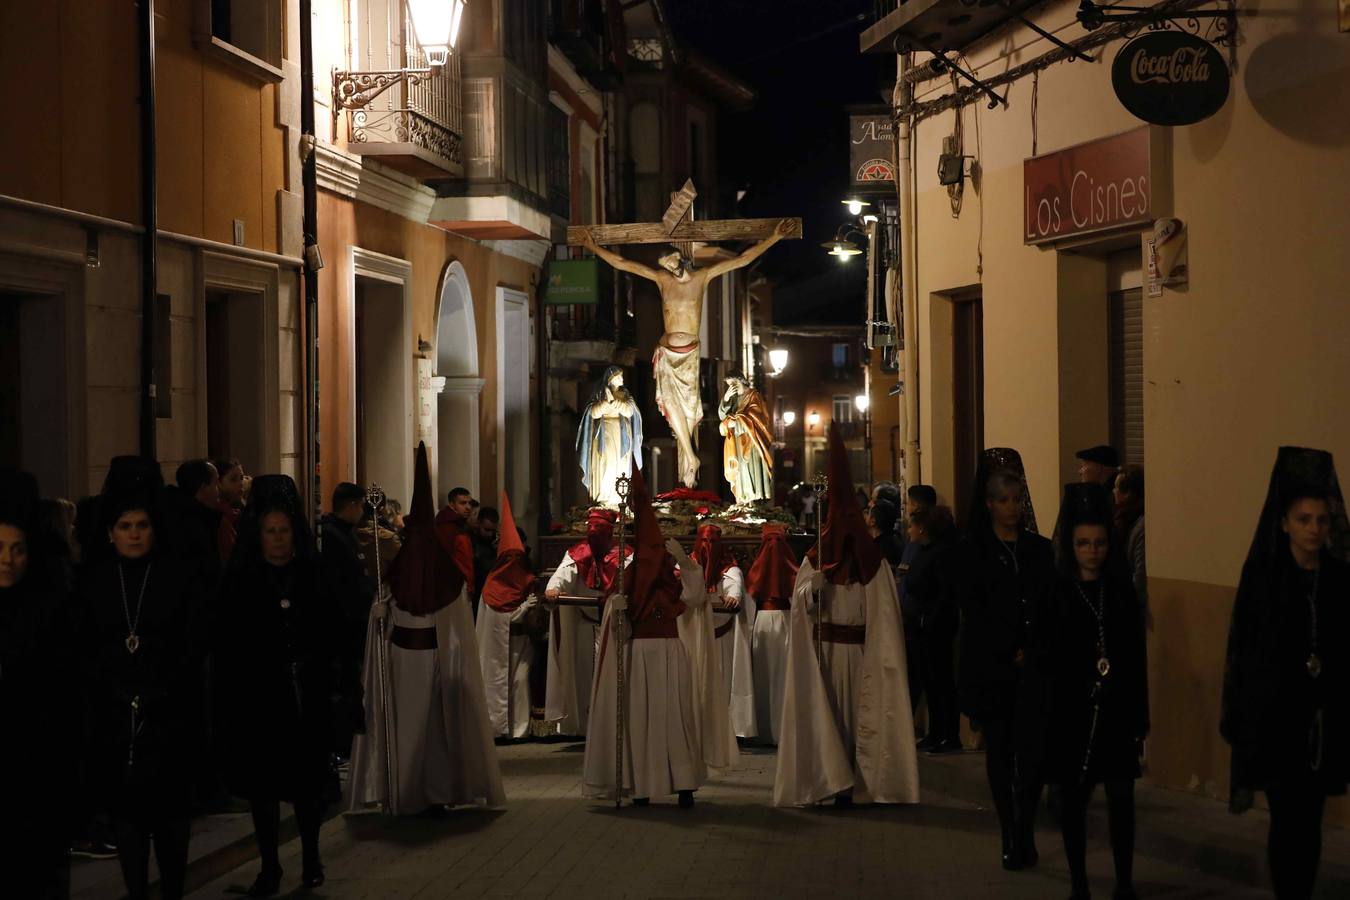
414	126
579	29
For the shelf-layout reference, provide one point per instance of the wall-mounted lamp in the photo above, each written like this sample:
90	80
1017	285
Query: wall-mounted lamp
841	248
813	418
778	358
435	25
862	401
788	418
855	205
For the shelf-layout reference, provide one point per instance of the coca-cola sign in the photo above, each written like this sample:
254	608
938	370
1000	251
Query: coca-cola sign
1170	78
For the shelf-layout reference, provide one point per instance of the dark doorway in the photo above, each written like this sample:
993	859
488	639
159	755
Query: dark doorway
33	388
234	385
11	383
967	394
1125	331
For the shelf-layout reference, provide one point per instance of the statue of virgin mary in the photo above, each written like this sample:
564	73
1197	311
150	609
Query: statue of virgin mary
609	436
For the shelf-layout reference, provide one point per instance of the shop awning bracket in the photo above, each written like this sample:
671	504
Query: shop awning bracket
941	62
1223	21
1074	52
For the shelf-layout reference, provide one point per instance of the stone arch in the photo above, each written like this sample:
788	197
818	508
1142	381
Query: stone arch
456	456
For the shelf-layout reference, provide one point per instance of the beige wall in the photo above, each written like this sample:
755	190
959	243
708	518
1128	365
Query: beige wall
1247	357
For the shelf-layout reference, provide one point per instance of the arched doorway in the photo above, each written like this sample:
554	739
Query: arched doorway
456	454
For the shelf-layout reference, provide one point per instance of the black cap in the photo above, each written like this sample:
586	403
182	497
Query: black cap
1102	454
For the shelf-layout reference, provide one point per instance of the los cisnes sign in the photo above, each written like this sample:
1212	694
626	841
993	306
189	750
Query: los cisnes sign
1170	78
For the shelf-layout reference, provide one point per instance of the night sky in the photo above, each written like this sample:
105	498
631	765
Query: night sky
790	152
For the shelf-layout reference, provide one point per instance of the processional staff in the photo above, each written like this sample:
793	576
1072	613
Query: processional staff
375	499
621	486
821	485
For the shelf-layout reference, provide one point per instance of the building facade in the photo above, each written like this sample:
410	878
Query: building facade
225	372
1048	333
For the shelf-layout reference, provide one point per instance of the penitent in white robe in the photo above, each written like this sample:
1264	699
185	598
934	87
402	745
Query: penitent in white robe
848	727
676	725
572	640
768	655
734	646
443	753
506	659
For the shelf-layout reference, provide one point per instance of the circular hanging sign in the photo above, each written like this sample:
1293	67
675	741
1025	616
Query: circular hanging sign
875	170
1170	78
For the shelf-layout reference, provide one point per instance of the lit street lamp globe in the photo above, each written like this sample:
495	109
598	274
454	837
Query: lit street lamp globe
778	358
862	401
788	418
436	27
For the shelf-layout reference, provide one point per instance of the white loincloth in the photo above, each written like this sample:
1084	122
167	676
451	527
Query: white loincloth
677	397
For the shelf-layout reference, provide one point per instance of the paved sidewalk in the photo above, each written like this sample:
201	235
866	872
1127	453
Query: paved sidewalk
550	843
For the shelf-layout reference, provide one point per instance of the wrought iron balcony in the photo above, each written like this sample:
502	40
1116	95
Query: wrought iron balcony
410	122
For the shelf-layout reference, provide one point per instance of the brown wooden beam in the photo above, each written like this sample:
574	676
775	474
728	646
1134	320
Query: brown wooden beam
706	231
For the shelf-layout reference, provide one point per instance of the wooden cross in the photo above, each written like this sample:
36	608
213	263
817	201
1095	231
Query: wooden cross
679	229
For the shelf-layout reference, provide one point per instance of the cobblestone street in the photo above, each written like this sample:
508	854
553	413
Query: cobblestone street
550	843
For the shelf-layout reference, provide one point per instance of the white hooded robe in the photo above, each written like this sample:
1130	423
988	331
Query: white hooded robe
848	728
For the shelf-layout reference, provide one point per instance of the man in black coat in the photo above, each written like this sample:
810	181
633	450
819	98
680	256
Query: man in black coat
344	572
483	533
194	519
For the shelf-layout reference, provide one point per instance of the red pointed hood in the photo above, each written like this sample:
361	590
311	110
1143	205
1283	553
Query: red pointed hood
655	584
850	552
710	553
511	580
597	558
424	577
774	572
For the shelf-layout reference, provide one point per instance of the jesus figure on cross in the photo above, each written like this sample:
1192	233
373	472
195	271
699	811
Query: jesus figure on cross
676	360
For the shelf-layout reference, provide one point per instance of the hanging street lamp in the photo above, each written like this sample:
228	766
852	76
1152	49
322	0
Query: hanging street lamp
435	27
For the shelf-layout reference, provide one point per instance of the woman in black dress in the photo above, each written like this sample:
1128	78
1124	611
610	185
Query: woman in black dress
274	653
1091	648
37	696
1286	691
1003	572
142	657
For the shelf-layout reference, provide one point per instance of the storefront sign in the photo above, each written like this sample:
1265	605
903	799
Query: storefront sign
1097	186
871	151
1170	78
573	281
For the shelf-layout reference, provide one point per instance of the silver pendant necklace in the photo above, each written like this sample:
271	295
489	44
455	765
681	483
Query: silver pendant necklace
133	640
1314	663
1098	613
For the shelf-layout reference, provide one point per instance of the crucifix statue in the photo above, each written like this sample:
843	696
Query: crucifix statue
682	288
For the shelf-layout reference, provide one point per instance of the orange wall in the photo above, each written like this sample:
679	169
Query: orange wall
72	132
344	224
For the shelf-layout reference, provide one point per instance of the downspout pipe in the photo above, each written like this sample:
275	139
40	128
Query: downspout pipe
150	235
904	183
313	261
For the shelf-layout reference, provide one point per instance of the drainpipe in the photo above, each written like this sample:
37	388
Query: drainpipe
909	331
150	222
313	262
